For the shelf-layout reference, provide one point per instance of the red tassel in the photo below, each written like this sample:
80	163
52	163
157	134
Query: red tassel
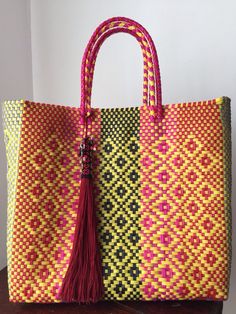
83	279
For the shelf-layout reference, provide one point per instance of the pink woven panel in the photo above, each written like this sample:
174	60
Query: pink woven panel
47	200
183	238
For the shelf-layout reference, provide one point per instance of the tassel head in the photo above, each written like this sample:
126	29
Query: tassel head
86	149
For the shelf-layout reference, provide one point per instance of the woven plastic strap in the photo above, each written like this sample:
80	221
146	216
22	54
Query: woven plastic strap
146	57
121	25
152	82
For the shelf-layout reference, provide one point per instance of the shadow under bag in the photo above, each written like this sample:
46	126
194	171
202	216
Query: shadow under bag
118	203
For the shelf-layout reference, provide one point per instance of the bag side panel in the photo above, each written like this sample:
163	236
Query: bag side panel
12	121
225	111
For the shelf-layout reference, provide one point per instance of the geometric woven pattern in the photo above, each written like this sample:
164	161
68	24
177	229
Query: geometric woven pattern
47	189
163	198
12	117
184	233
119	202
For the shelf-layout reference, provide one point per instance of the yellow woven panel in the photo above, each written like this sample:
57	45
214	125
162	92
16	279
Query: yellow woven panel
119	202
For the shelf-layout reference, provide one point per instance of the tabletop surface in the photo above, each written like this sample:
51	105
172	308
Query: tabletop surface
135	307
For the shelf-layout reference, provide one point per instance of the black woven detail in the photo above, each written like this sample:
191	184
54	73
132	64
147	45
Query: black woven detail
225	112
119	203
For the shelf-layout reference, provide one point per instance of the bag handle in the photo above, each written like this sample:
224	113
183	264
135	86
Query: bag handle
146	57
151	66
130	27
145	47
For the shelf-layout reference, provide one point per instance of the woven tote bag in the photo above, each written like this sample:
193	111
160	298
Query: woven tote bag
118	203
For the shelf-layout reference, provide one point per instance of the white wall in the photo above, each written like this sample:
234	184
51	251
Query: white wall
195	41
15	81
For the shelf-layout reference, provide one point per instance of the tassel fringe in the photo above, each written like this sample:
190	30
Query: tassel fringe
83	280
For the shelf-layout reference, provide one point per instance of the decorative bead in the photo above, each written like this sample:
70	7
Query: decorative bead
86	148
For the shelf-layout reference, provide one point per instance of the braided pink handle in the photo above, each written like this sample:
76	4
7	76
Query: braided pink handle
147	63
130	29
104	30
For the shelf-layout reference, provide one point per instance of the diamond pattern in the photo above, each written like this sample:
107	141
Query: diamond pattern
119	201
162	195
184	208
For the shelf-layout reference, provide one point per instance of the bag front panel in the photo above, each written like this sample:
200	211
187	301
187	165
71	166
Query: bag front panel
46	201
163	201
185	238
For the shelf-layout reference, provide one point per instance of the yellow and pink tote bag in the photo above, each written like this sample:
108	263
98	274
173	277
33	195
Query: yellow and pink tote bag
119	203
